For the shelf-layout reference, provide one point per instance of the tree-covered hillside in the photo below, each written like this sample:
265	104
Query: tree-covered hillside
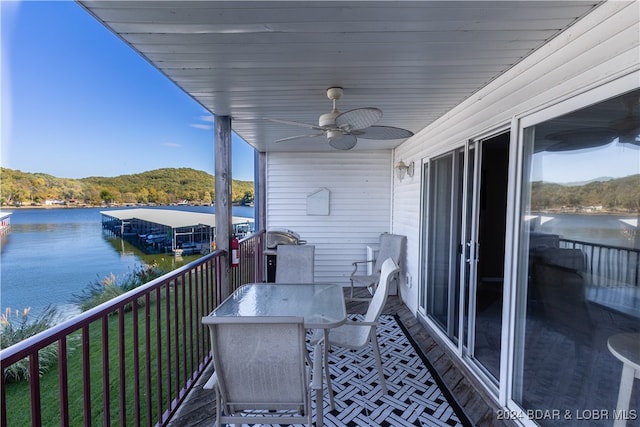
160	186
622	195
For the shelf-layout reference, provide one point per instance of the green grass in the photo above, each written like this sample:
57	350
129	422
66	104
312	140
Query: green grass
19	403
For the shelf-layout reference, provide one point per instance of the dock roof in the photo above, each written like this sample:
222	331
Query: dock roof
170	217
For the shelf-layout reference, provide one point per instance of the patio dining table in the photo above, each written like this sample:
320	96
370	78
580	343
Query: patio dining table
321	305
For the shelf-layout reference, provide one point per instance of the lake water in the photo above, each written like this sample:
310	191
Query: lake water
52	254
602	229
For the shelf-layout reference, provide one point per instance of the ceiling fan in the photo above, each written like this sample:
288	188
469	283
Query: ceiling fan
343	129
625	129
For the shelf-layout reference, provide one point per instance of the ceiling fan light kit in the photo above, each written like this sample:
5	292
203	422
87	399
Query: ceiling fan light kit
342	129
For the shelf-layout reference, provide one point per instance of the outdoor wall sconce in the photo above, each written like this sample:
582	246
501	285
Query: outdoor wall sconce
403	169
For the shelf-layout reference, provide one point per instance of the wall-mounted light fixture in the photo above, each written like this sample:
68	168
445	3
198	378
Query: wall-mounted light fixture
403	169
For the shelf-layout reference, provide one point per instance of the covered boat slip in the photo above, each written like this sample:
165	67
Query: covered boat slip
5	223
167	230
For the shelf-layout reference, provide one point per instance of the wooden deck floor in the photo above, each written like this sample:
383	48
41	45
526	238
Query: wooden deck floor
198	409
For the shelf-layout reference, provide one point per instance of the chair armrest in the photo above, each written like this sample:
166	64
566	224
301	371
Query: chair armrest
316	376
357	263
317	336
212	382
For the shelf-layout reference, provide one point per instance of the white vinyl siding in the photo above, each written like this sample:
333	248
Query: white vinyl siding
359	185
600	48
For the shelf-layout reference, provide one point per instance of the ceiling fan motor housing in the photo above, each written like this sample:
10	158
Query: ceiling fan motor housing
334	93
328	119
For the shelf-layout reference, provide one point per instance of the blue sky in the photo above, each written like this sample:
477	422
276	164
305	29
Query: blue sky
613	160
78	102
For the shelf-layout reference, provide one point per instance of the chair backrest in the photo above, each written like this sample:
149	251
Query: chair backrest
260	362
295	263
389	268
390	247
562	291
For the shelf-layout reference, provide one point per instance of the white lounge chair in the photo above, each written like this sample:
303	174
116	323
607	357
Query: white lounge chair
391	246
260	374
355	335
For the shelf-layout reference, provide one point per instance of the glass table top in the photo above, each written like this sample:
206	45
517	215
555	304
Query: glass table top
321	305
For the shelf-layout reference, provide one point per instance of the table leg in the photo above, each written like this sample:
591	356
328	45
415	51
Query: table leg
317	375
624	394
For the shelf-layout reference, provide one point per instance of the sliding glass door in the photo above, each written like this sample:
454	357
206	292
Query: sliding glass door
441	267
579	263
464	222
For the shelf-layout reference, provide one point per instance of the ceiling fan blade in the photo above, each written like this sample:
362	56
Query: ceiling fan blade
384	132
304	125
628	124
344	142
291	138
359	118
578	139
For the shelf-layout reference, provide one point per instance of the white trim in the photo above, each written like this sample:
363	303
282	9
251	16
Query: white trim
512	268
510	264
582	99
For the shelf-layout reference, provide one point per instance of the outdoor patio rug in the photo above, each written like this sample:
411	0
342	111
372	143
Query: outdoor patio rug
417	396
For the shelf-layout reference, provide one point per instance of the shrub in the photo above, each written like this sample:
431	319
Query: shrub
109	287
14	329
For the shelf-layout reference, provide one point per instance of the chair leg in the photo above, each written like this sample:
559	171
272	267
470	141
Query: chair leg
326	369
376	353
218	409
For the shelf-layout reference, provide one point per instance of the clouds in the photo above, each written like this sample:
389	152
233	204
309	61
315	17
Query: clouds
171	144
207	125
202	123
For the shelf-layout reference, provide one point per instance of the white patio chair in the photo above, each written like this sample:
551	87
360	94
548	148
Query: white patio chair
356	334
295	263
260	370
391	246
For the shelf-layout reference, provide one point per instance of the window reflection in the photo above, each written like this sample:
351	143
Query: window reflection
581	246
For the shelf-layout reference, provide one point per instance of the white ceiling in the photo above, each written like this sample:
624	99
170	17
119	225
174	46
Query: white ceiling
274	60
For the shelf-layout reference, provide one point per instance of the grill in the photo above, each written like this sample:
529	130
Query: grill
282	236
276	237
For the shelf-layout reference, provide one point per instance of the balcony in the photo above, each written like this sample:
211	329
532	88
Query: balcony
141	359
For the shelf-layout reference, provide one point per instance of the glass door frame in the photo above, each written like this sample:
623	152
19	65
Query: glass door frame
475	146
467	257
515	269
448	332
468	227
469	241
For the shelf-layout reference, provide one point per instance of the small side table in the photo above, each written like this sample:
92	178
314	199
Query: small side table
625	347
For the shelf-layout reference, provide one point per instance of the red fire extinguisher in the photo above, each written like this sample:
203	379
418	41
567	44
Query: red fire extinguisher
235	252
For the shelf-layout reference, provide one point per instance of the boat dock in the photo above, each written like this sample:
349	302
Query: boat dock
5	223
167	230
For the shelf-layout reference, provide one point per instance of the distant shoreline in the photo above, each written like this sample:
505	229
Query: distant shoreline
578	211
6	208
584	211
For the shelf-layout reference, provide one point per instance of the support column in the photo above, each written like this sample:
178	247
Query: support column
223	197
260	190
